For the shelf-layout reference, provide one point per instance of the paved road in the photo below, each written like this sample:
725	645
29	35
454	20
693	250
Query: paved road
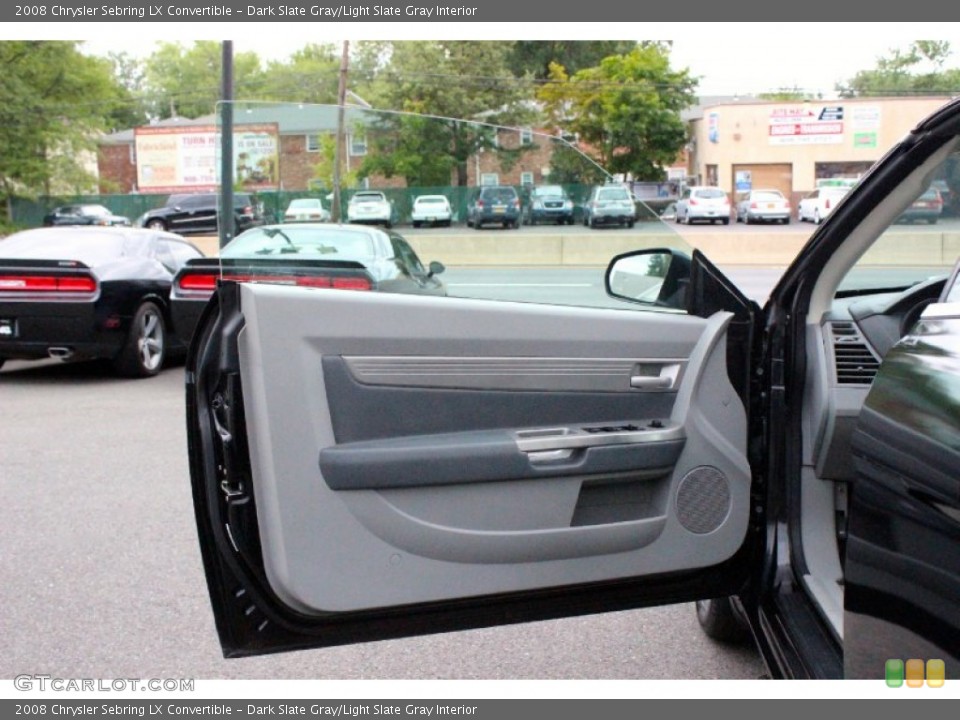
102	577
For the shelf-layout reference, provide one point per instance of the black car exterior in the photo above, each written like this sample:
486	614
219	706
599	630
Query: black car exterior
83	214
802	479
197	214
90	293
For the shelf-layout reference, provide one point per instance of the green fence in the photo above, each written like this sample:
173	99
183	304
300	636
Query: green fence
30	212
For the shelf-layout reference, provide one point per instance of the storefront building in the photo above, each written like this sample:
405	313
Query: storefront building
749	144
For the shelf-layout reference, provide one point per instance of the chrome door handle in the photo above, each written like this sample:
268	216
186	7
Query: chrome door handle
650	382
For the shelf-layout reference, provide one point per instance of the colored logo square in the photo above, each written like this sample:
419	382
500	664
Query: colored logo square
936	673
894	673
914	673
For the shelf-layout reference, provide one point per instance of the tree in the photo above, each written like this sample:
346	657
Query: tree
467	90
789	94
185	82
919	70
309	76
626	110
323	169
533	57
54	103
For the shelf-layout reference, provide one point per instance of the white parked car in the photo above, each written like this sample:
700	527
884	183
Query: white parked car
763	206
370	207
700	202
306	210
431	210
820	203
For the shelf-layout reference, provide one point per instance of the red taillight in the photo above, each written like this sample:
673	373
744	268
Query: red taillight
480	204
203	285
693	201
516	203
753	205
826	204
349	283
48	284
198	283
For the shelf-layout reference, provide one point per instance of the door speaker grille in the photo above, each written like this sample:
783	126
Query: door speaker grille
703	499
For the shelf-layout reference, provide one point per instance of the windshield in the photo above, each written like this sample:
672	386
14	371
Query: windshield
613	194
94	210
549	191
431	201
91	247
304	204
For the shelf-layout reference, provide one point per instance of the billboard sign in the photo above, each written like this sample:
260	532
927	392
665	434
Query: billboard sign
803	125
187	159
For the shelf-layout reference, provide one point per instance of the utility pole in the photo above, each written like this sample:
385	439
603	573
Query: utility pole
225	225
336	211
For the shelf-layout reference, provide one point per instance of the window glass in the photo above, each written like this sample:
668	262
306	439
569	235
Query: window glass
498	249
916	245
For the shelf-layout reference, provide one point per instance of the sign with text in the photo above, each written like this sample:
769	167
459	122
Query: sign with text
806	125
187	159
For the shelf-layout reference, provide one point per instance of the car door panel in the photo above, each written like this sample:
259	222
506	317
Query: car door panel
379	533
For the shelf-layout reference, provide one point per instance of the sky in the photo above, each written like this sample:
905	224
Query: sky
729	58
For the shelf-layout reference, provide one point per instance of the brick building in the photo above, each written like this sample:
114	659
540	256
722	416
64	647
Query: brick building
301	130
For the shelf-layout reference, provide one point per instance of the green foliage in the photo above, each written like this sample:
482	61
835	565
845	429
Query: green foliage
918	70
323	169
626	110
185	82
311	75
533	57
54	102
446	79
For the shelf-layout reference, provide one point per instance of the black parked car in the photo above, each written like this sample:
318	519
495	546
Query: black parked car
86	293
83	214
197	213
494	204
368	466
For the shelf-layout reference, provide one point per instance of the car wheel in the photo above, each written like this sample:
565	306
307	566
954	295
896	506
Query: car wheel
816	217
146	345
416	224
156	224
477	225
631	223
932	221
786	221
719	621
593	223
725	221
387	225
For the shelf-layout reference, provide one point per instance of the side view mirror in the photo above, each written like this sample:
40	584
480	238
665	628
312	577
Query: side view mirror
436	268
657	277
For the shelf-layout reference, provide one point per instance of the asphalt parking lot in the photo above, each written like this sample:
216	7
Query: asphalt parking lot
103	577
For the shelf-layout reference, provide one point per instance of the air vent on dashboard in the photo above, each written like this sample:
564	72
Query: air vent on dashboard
854	361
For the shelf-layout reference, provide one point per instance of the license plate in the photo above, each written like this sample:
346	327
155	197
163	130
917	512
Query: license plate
771	206
499	210
8	329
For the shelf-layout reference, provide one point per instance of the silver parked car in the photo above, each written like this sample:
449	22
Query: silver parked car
709	204
763	206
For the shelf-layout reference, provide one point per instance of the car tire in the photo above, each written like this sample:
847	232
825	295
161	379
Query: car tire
156	224
725	221
719	621
816	217
145	348
786	221
631	223
387	225
932	221
416	224
593	223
